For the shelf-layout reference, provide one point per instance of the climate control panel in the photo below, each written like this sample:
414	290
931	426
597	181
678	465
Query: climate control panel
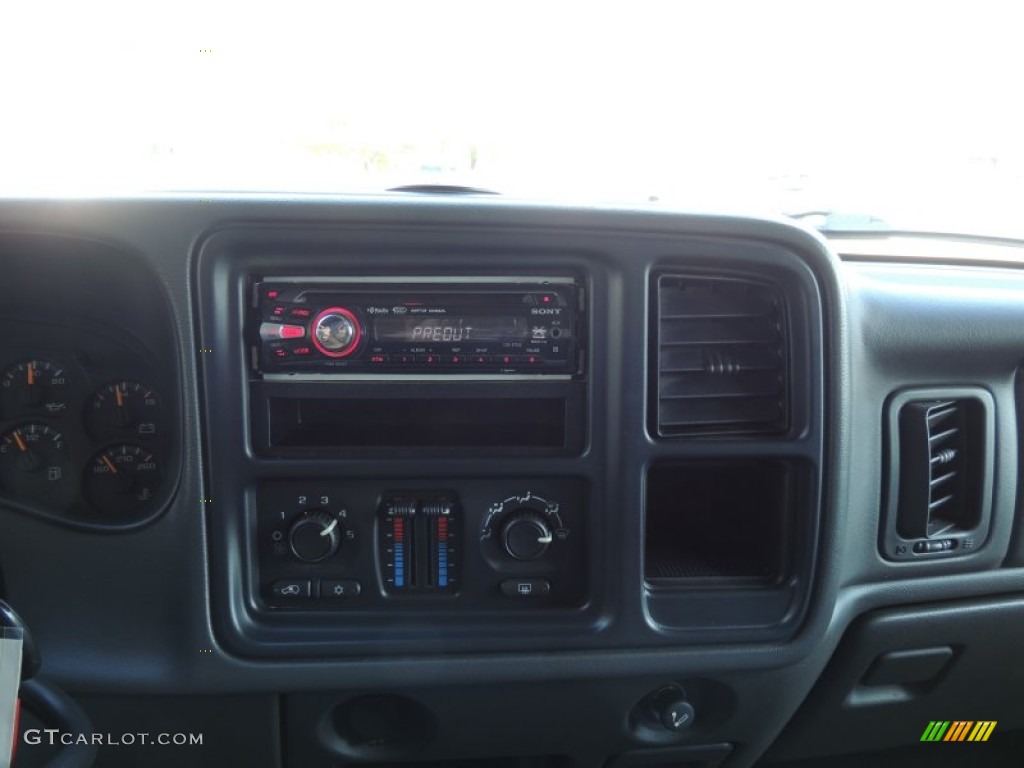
418	538
360	544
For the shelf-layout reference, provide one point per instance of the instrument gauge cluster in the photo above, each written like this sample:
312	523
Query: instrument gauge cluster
84	437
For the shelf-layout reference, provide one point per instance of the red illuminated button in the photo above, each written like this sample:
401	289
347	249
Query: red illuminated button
272	295
378	359
532	360
428	359
277	311
480	359
274	331
302	351
300	313
508	359
455	360
403	359
281	353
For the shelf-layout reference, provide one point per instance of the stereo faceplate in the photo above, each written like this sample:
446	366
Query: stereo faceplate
416	326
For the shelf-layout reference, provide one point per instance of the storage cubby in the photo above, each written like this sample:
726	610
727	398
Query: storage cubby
719	521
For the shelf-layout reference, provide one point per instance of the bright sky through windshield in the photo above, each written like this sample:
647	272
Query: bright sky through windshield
911	111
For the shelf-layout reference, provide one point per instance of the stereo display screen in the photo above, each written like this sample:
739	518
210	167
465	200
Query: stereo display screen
450	328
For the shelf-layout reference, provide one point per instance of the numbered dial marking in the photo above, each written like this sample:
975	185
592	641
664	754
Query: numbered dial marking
34	461
123	409
34	387
122	480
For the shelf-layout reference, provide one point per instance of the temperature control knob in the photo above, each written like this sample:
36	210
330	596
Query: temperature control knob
526	535
314	537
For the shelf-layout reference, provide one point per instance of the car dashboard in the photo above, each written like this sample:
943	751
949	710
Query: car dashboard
400	479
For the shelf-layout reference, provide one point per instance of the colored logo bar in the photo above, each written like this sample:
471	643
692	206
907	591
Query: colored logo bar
958	730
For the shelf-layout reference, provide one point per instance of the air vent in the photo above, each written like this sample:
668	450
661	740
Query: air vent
939	489
721	357
941	453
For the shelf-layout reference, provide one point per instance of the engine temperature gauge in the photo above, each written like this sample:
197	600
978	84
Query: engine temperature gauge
36	387
122	480
123	409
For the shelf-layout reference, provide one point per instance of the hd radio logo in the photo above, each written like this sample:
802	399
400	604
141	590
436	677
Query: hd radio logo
958	730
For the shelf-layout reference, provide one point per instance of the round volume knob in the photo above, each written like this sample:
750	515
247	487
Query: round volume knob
526	536
336	332
314	537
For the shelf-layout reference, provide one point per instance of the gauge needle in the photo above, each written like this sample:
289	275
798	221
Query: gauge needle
31	373
110	464
20	441
120	396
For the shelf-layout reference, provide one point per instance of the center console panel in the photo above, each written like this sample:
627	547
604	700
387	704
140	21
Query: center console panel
486	456
416	445
461	365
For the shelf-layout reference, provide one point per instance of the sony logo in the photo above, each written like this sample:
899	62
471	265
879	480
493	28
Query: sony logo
545	311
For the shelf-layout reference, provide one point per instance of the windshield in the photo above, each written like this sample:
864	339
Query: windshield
907	115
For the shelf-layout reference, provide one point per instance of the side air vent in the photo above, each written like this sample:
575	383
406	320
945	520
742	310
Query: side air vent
721	356
942	474
938	489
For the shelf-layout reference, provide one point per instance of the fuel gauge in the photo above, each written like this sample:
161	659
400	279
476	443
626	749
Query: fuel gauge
123	409
33	388
34	462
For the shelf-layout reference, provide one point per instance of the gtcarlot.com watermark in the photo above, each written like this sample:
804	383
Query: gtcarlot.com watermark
56	737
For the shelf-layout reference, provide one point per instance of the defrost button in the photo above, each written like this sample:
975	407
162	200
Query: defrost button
524	588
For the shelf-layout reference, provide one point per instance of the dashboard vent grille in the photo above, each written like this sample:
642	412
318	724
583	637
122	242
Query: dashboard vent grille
938	486
721	356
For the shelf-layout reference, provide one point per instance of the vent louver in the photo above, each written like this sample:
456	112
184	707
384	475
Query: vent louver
721	356
939	489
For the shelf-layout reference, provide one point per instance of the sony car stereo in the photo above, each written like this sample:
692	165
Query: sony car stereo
417	325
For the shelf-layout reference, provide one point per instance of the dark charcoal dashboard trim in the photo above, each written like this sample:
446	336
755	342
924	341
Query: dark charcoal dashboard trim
886	327
159	647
